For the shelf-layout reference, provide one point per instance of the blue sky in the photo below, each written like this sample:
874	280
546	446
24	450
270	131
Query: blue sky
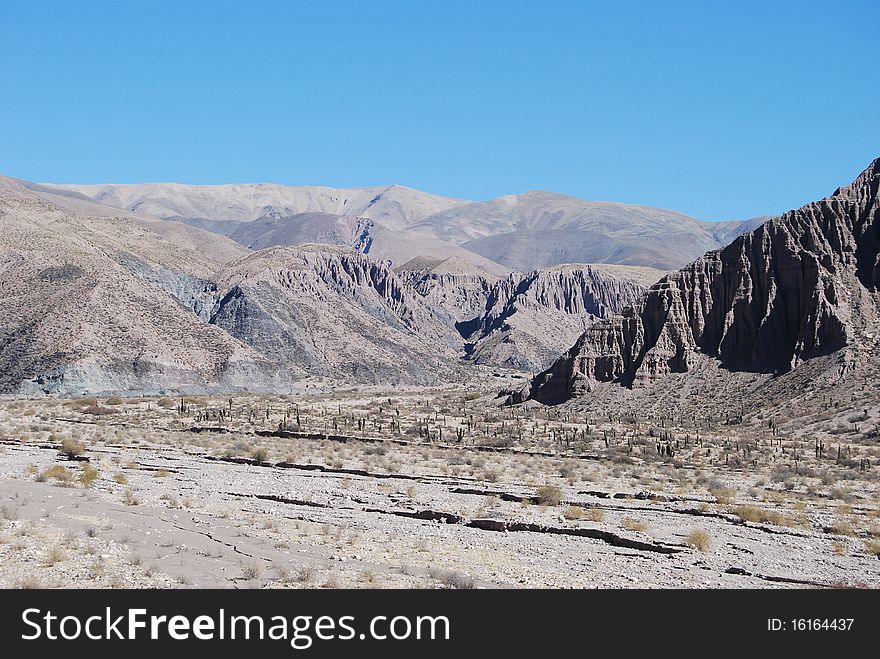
718	109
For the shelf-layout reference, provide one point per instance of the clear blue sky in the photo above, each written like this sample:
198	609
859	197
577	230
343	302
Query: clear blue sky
718	109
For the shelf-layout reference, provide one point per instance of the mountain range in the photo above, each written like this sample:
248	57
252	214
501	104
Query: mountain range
166	287
522	232
99	299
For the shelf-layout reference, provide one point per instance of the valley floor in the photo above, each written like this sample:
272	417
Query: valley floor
359	489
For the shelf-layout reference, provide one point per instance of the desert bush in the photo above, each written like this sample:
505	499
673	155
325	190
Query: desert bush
88	475
594	515
873	547
782	473
167	403
97	410
699	540
121	478
723	495
573	513
114	400
55	555
550	495
452	579
161	473
250	571
70	448
761	515
29	583
841	527
129	498
632	524
58	473
260	454
305	574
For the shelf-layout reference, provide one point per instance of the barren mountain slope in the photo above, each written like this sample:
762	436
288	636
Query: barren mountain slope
332	311
360	233
522	232
105	304
208	243
76	316
798	287
394	206
541	229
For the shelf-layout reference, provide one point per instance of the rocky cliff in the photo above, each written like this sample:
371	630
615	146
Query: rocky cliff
797	287
529	319
525	321
332	311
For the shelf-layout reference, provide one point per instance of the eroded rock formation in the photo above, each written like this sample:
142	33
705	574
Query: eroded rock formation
797	287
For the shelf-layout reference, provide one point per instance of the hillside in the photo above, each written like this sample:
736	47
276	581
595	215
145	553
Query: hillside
801	286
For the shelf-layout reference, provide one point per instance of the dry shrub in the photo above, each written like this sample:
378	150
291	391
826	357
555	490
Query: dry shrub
97	410
723	495
550	495
700	540
594	515
88	475
70	448
54	555
760	515
632	524
841	527
57	473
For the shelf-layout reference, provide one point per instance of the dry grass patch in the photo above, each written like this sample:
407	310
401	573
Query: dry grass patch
699	540
452	579
841	527
723	495
57	473
762	515
633	524
88	475
54	556
586	514
98	410
873	547
305	574
550	495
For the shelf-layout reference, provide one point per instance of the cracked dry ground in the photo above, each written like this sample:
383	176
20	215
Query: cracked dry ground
169	507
